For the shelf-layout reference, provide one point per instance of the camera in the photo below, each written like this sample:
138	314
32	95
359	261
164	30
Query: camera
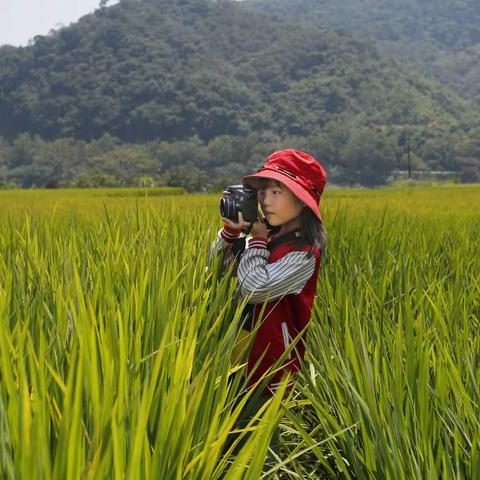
242	198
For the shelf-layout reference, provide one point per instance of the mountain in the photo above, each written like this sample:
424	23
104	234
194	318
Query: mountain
217	85
438	38
173	69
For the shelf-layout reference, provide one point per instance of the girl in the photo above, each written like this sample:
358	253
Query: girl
278	270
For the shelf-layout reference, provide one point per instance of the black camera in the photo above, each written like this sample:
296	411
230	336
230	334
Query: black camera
242	198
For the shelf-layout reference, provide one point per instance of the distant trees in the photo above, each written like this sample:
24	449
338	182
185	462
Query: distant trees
353	155
438	38
468	153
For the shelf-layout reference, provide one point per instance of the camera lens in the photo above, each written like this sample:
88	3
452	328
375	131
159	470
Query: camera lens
227	207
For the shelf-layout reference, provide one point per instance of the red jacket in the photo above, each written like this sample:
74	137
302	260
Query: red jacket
283	319
280	269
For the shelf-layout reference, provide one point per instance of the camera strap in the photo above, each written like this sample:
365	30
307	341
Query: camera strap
296	237
239	246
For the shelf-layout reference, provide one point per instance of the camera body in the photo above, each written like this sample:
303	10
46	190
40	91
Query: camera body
242	198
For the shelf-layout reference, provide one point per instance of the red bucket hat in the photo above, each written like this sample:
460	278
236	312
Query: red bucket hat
303	174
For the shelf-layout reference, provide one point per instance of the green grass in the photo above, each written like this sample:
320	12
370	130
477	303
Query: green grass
115	340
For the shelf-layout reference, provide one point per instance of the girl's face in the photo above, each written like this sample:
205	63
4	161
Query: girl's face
278	203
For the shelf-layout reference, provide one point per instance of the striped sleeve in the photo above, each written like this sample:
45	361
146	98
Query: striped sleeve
224	240
260	280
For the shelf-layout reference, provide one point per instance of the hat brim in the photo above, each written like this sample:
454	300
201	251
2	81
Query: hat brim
290	183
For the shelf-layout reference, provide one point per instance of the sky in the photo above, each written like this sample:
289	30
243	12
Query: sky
21	20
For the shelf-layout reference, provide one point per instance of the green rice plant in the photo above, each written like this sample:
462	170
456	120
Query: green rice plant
116	335
395	348
114	351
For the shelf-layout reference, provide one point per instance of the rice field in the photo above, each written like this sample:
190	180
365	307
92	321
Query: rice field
116	337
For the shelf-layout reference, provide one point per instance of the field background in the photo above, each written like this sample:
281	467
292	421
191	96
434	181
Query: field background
115	340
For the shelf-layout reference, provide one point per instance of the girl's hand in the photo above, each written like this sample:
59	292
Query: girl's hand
240	225
259	229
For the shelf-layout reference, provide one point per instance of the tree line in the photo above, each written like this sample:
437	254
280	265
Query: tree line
353	155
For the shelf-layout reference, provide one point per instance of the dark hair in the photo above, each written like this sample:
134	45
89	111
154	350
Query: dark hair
313	230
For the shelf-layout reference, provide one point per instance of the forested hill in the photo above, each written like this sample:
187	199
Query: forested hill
439	38
196	92
172	69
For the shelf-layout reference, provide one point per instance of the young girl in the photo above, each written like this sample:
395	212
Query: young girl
280	265
278	270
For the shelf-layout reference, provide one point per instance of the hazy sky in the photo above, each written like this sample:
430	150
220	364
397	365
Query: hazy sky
21	20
